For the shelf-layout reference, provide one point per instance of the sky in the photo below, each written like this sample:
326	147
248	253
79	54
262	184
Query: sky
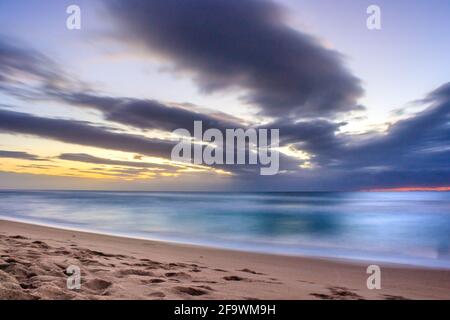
96	108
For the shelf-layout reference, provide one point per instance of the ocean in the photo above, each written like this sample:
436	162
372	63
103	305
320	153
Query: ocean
397	227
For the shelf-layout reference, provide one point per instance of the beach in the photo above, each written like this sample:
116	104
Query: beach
34	261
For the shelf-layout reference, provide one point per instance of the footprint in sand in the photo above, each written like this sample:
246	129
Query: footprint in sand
178	275
235	278
98	284
252	272
153	281
338	293
204	281
206	288
41	244
134	272
103	254
19	237
150	264
157	294
191	291
392	297
91	262
53	291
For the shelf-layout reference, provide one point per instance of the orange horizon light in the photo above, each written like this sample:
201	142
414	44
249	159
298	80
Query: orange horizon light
406	189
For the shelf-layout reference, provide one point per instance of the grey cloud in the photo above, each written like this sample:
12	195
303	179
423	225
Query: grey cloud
83	157
53	84
242	44
421	141
82	133
413	151
15	60
29	74
19	155
146	114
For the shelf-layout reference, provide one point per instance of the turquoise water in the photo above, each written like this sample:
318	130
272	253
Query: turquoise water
404	227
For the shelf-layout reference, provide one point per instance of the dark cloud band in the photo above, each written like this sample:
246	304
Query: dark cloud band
244	45
19	155
82	133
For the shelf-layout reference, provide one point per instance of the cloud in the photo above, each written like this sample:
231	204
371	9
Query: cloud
147	114
24	72
87	158
82	133
418	146
420	142
152	114
16	61
32	76
242	44
19	155
412	152
317	136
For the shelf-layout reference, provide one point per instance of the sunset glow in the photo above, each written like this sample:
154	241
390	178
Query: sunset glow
407	189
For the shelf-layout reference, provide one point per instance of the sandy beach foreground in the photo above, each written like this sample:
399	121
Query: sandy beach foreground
33	262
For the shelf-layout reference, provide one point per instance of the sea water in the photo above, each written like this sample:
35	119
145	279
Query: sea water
398	227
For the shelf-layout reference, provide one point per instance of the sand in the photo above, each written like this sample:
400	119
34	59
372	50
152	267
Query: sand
34	261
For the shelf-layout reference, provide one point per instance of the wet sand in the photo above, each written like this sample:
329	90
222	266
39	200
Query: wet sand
34	261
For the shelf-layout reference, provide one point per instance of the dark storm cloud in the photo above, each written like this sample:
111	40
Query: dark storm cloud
315	136
82	133
242	44
419	142
19	155
413	152
147	114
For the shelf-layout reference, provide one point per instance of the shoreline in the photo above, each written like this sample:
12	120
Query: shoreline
115	267
212	247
